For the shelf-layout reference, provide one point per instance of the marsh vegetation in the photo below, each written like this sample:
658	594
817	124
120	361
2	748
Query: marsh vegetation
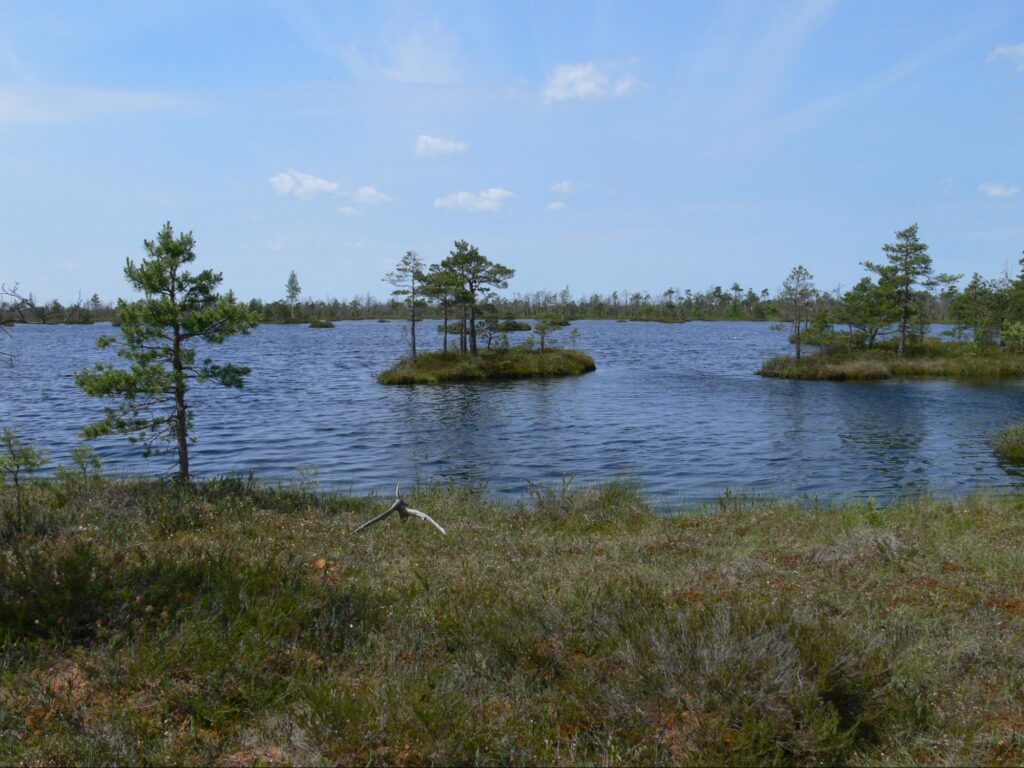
929	357
488	365
235	623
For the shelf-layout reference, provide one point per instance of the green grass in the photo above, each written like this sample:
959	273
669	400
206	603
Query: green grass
241	624
321	324
1010	443
515	363
933	359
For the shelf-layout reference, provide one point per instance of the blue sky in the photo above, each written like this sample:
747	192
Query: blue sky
603	146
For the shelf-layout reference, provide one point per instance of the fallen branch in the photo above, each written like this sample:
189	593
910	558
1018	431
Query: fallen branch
404	512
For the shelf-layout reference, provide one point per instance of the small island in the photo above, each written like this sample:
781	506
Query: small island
464	283
931	358
488	365
883	328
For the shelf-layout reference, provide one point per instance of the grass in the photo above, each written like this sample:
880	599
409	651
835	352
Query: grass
240	624
932	359
321	324
489	365
1010	443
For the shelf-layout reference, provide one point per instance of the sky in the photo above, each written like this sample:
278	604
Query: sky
601	146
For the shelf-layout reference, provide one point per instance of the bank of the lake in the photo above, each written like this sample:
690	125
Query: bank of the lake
242	624
932	359
488	365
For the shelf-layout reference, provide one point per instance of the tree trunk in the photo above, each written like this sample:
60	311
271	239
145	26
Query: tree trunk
472	329
445	331
798	335
904	316
180	410
412	318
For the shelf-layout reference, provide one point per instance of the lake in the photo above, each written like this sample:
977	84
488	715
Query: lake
676	407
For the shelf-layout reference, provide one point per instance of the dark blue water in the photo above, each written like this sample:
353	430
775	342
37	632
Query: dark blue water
677	407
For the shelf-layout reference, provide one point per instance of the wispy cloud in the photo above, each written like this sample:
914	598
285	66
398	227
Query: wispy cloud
767	62
429	146
1012	53
370	196
558	205
425	54
9	56
811	113
589	80
56	104
995	189
348	210
488	200
409	49
304	185
564	188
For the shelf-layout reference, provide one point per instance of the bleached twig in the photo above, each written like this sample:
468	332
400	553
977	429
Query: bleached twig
404	512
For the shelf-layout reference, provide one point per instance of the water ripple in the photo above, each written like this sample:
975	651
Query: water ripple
675	406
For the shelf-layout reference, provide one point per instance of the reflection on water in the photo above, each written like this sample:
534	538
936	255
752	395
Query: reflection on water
675	406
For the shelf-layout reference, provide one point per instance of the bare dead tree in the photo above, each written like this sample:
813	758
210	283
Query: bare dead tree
11	303
404	512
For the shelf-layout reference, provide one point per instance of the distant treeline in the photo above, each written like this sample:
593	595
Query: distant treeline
981	308
672	305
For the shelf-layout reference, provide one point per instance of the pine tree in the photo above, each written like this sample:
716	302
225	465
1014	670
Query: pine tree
408	279
795	300
158	337
909	266
477	274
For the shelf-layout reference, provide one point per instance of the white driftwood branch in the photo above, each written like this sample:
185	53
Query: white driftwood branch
404	512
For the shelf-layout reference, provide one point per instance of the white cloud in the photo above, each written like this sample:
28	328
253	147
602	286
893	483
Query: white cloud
303	185
47	104
487	200
348	210
1013	53
429	146
370	196
995	189
589	80
556	206
563	188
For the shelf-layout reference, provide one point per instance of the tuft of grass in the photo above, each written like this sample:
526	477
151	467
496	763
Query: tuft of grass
1010	443
929	359
237	623
488	365
321	324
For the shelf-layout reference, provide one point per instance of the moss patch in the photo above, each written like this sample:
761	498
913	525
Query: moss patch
441	367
